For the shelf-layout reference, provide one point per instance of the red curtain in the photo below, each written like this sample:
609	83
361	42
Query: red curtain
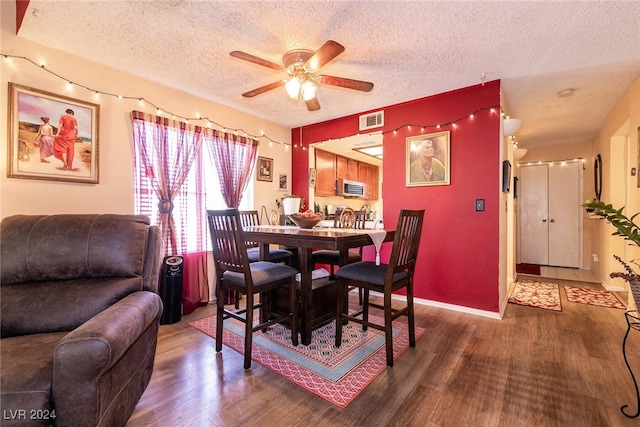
167	162
235	159
169	155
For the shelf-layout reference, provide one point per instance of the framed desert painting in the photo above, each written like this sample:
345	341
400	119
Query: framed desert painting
52	137
428	159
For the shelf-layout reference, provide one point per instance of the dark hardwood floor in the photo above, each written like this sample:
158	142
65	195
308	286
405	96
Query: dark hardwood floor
534	367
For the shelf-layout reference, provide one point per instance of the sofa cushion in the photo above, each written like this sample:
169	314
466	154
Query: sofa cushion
61	305
25	382
63	247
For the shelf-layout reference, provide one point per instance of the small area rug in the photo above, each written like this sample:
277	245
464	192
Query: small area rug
528	269
337	375
536	294
593	297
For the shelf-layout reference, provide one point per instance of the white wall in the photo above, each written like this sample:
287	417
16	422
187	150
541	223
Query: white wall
114	193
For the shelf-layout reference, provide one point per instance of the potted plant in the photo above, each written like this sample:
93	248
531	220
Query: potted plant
290	203
626	228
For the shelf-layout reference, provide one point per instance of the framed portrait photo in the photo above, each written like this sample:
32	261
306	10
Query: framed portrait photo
312	177
265	169
428	159
283	182
52	137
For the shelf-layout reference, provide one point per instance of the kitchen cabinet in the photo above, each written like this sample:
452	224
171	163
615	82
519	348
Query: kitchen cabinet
346	168
373	183
330	167
325	173
368	174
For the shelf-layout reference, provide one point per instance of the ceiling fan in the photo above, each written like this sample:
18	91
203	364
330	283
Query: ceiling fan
302	65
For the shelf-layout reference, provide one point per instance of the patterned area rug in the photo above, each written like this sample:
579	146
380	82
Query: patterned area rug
536	294
337	375
593	297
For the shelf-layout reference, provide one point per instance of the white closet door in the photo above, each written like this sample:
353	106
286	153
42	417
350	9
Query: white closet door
533	224
550	211
564	214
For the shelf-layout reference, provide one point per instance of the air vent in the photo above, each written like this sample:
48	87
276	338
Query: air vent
373	120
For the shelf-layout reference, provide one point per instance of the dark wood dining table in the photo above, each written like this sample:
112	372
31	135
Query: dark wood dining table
306	240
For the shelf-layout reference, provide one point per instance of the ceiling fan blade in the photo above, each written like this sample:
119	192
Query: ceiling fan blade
313	104
263	89
248	57
326	53
346	83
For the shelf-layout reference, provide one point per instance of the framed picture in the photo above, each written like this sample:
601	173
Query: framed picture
283	182
265	169
506	175
52	137
428	159
312	177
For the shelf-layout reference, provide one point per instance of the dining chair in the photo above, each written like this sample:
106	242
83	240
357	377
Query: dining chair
251	218
235	273
343	218
386	279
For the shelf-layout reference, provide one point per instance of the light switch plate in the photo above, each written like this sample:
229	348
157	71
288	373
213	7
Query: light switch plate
479	205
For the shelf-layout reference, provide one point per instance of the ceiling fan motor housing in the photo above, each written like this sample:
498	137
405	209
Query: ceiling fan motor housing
295	59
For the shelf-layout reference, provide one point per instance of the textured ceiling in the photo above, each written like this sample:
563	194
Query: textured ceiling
409	50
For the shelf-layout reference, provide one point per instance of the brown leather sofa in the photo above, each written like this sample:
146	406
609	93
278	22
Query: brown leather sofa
80	316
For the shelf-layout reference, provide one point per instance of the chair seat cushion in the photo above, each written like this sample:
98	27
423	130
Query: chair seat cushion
262	272
27	372
368	271
275	255
325	256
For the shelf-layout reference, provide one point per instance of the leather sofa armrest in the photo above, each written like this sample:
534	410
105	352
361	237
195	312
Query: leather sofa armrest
92	349
153	260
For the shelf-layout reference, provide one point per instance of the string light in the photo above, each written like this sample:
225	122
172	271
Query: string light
141	101
210	122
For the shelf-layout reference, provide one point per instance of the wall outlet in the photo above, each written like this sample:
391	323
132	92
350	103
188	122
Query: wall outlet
479	205
595	257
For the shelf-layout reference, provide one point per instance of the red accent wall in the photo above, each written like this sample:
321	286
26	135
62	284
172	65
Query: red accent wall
21	9
458	259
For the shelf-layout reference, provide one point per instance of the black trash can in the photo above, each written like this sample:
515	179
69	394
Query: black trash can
171	289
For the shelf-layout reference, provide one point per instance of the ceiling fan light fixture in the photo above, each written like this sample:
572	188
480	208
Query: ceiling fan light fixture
309	90
293	87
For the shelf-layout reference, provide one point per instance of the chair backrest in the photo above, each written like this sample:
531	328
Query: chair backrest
405	242
248	219
227	238
348	218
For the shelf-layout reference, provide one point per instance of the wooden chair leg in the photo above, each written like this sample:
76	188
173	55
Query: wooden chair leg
238	297
388	327
248	332
219	316
410	316
365	309
340	290
293	306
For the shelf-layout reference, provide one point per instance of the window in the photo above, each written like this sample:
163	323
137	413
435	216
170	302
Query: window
200	191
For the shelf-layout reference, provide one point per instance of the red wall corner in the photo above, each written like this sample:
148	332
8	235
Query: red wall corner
21	9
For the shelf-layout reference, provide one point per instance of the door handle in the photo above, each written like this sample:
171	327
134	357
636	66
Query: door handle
544	220
553	220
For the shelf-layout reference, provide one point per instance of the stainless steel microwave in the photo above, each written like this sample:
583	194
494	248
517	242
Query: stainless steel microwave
349	188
